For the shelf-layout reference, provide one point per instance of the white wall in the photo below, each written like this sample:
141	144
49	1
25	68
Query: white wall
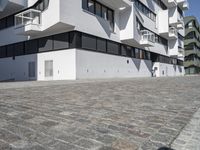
100	65
163	24
164	70
63	64
8	36
16	69
72	13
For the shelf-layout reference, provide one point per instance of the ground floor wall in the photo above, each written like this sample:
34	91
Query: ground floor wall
99	65
71	64
17	68
165	70
63	65
55	65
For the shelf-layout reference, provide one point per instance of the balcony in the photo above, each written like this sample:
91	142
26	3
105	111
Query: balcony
173	33
183	4
177	23
169	3
147	38
117	4
180	25
181	50
28	22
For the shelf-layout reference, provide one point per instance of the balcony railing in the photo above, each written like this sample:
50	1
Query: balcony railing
28	17
147	36
173	32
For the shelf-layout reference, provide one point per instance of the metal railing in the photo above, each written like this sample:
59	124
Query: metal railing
31	16
147	36
172	31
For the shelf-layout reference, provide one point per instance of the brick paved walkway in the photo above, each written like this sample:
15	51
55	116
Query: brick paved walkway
189	138
127	114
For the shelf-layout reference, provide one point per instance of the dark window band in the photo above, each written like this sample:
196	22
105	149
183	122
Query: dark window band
76	39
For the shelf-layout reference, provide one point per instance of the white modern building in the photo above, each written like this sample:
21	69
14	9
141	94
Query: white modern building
84	39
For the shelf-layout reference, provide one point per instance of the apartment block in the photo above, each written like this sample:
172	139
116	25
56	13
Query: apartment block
192	45
88	39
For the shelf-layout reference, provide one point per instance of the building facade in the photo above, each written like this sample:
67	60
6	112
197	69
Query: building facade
192	45
84	39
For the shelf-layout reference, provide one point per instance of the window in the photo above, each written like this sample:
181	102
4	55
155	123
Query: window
98	9
31	69
137	53
112	47
88	42
45	44
19	49
10	21
10	50
31	47
91	6
7	22
61	41
85	4
145	10
129	51
101	45
142	54
42	5
161	4
3	23
2	51
111	19
75	40
48	68
104	12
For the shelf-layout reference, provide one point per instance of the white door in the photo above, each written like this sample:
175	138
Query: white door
48	66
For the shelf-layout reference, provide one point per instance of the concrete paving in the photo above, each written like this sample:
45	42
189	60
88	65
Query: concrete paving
117	114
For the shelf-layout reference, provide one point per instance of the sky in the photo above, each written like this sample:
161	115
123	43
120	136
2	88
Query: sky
194	9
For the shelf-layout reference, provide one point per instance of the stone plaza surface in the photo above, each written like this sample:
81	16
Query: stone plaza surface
117	114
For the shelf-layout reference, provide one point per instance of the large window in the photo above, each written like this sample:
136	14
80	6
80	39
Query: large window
42	5
161	4
10	21
31	47
61	41
91	6
127	51
99	10
10	50
112	47
19	49
45	44
145	10
2	51
137	53
88	42
111	19
101	45
3	23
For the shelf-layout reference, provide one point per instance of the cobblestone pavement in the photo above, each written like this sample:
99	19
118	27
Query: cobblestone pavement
117	114
189	138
